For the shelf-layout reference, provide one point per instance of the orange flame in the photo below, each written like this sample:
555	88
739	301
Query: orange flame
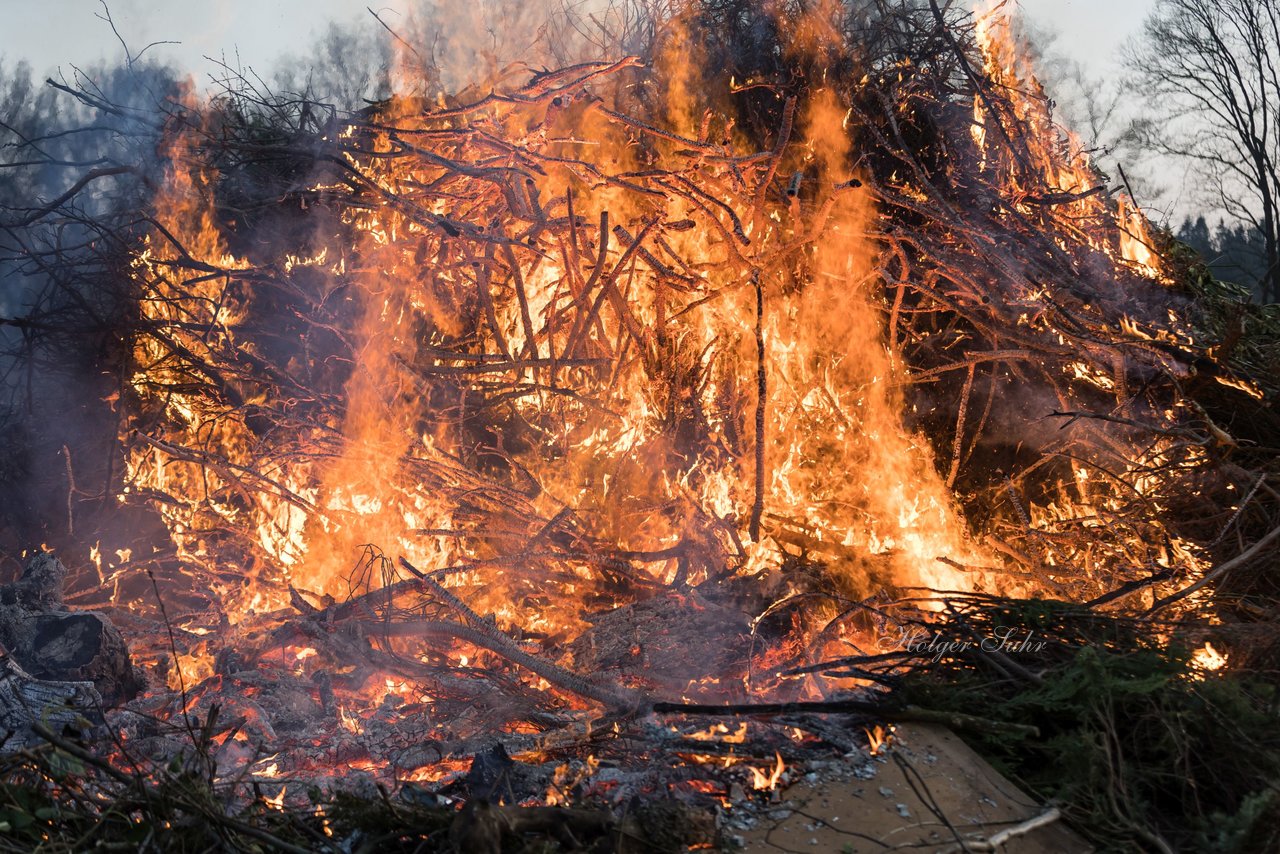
767	782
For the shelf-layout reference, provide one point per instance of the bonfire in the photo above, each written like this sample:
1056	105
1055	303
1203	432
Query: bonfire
624	428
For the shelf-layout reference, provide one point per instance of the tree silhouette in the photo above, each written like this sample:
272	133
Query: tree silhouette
1209	70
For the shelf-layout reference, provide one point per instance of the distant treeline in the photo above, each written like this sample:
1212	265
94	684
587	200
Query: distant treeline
1234	253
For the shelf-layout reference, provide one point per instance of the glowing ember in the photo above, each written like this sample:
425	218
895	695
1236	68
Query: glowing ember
1207	658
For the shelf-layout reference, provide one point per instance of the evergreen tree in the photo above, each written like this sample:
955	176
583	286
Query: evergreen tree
1234	253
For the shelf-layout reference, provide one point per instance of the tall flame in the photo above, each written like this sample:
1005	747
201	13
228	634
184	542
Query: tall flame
1045	154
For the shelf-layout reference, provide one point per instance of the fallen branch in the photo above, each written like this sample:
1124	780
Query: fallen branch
996	841
483	633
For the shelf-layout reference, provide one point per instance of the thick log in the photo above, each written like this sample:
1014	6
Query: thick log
56	645
26	701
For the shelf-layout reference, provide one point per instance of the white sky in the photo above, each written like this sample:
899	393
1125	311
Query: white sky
49	33
1090	31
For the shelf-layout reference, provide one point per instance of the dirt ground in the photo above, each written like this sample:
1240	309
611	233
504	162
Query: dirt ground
931	791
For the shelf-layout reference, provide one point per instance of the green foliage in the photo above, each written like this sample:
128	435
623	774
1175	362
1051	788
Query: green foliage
1243	336
1135	742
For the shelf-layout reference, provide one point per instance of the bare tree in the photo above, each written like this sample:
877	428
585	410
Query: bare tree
348	66
1209	71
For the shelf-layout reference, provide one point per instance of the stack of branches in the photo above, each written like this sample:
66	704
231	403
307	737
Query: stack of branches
1102	335
1097	403
519	322
497	277
280	248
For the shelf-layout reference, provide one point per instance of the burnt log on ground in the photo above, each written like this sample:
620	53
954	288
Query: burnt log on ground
56	645
26	701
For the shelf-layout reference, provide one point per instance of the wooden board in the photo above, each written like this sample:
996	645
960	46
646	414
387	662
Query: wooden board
861	816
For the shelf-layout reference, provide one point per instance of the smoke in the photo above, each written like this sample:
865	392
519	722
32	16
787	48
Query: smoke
62	303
